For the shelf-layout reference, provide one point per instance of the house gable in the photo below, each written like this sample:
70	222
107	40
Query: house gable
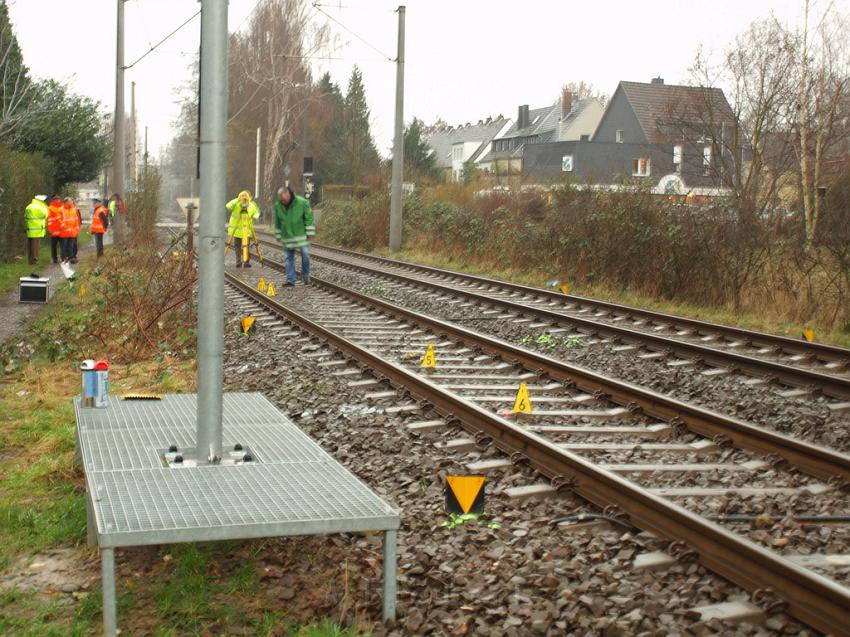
620	116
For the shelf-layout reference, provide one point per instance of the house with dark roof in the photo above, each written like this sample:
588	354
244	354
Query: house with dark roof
453	146
567	119
668	137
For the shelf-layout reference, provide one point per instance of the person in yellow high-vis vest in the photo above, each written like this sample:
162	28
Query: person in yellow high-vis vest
243	212
36	220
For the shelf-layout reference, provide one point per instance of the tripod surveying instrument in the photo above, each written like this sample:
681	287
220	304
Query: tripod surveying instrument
245	227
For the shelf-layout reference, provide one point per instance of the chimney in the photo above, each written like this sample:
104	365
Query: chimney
522	119
657	80
567	98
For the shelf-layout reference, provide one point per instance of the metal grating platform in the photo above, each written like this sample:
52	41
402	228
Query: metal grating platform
294	488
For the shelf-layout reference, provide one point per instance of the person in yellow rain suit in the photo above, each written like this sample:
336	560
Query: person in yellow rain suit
243	212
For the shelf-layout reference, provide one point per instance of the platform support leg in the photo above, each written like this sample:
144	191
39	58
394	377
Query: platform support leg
110	605
389	574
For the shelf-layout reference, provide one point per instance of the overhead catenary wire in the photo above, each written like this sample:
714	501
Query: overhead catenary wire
155	46
318	8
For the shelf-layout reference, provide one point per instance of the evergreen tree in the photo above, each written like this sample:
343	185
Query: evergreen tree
358	147
67	128
419	160
325	124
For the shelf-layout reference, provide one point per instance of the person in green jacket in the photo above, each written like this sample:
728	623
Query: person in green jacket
36	219
243	212
293	220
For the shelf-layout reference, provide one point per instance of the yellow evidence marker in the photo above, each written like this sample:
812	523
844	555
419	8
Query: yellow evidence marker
261	284
809	334
270	291
522	404
464	494
430	358
247	323
82	291
564	287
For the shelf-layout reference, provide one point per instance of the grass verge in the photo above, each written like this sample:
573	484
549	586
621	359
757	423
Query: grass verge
49	579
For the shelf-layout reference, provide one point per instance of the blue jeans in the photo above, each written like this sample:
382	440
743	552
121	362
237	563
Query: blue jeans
305	264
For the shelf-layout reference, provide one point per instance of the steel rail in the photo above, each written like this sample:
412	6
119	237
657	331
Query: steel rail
828	352
834	386
812	598
820	462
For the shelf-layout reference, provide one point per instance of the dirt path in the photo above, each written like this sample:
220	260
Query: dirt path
17	315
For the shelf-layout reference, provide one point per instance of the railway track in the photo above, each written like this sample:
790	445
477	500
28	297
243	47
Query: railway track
665	466
800	368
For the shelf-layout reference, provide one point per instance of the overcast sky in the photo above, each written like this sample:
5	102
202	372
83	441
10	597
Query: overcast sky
465	59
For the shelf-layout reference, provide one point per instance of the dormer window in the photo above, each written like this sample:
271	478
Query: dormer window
619	137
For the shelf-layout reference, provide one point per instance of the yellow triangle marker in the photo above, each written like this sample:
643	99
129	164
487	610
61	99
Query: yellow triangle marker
564	287
522	404
270	291
247	322
465	490
261	284
430	358
82	291
809	334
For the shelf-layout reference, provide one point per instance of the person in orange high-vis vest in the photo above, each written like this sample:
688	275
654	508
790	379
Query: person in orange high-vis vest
54	226
70	228
99	224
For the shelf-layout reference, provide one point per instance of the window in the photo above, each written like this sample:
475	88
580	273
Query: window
457	153
706	160
641	167
677	158
619	137
567	163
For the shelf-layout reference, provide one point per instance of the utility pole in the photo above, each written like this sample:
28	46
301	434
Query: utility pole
257	168
398	145
210	245
133	164
118	150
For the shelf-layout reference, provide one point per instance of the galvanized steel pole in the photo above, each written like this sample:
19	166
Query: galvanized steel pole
118	149
257	168
211	231
398	142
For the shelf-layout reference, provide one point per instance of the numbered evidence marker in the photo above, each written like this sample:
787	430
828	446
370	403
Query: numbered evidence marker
522	404
430	358
247	323
270	291
564	288
261	284
809	334
464	494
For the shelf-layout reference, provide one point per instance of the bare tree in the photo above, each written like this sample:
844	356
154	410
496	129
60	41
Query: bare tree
271	88
584	90
822	103
750	148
